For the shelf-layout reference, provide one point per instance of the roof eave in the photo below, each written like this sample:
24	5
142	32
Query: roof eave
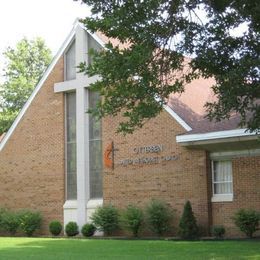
40	84
212	137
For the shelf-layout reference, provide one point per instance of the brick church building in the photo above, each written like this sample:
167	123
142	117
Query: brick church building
56	159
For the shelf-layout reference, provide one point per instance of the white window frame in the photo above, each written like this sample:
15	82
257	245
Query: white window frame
225	196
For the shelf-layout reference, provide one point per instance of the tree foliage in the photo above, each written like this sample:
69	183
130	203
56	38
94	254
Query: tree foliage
247	221
25	65
188	228
137	79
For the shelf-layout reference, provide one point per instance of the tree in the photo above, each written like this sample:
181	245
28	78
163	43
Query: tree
188	228
25	65
159	34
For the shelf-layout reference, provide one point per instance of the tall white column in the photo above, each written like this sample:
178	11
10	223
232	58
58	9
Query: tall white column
82	131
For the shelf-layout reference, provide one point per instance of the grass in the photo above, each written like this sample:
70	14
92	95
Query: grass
47	248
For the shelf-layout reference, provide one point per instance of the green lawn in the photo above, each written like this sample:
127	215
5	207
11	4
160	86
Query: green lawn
47	248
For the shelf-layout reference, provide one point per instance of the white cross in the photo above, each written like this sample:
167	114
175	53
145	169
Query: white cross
82	118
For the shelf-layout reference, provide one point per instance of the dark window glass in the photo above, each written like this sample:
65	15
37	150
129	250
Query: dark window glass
71	147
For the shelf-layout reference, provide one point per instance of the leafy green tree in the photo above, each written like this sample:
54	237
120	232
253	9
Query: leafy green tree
25	65
159	34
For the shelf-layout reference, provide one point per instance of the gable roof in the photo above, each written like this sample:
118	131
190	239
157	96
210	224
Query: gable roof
187	109
191	106
40	84
101	39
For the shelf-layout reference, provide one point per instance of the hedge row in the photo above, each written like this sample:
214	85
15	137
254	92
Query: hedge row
26	221
157	217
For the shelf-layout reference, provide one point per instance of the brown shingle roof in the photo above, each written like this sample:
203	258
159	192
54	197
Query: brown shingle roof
190	106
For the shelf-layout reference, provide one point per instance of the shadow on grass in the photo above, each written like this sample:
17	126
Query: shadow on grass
40	248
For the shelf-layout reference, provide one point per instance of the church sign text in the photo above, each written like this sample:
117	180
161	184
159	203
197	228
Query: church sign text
145	159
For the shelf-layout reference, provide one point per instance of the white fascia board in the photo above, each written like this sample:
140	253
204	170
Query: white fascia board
177	118
95	37
234	154
40	84
213	135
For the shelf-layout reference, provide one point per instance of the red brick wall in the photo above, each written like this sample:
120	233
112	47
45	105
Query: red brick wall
174	182
32	167
32	161
246	188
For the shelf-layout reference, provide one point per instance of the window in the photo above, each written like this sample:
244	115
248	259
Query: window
95	151
222	180
92	44
70	62
71	146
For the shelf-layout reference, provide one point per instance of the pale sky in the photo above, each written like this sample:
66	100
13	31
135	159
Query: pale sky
50	19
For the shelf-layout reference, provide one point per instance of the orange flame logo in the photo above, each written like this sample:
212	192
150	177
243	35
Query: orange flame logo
108	156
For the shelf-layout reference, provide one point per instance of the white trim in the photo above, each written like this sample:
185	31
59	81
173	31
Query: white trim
70	204
46	74
214	135
234	154
94	203
177	118
39	85
96	38
222	198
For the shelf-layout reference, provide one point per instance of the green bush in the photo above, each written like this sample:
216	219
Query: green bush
2	211
29	221
72	229
106	219
188	228
55	228
10	222
88	230
158	216
247	221
218	231
132	219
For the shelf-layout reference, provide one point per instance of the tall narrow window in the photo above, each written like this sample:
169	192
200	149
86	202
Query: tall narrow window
222	177
95	151
71	156
92	44
70	62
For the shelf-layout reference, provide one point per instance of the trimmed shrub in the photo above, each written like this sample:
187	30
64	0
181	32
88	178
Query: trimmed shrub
218	231
106	219
188	228
88	230
30	221
247	221
2	211
55	228
10	222
132	219
71	229
158	216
